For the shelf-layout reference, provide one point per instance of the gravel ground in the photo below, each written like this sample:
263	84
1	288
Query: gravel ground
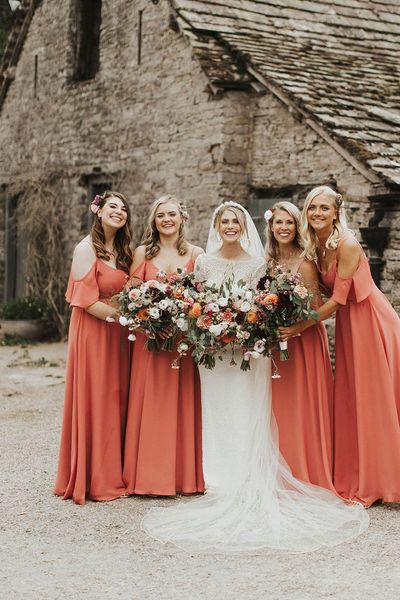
51	549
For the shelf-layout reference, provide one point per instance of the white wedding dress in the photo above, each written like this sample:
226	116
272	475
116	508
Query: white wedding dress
252	500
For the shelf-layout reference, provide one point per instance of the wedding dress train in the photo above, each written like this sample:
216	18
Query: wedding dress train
252	500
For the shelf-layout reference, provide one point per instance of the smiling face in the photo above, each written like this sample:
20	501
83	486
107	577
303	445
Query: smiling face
321	213
114	213
168	219
229	227
283	227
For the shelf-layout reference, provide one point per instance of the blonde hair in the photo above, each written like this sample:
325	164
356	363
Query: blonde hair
237	211
271	245
339	225
151	239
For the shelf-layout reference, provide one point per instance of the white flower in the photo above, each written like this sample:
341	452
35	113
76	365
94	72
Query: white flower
183	347
213	307
123	321
131	337
249	354
154	313
131	306
268	215
110	319
249	295
245	306
301	291
182	324
259	346
223	301
165	303
162	286
215	329
133	294
237	292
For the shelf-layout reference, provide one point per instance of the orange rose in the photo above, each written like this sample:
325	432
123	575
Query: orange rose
143	314
178	293
251	316
269	299
204	321
228	339
195	311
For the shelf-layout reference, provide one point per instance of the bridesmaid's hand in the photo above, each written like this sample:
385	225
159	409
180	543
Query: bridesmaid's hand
293	330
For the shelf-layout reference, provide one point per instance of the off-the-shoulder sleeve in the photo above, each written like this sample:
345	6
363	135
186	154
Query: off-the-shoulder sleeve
200	268
356	288
341	289
83	292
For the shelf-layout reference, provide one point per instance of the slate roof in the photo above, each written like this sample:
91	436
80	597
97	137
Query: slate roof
338	61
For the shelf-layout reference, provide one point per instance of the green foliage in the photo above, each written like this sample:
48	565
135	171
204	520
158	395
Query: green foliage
30	307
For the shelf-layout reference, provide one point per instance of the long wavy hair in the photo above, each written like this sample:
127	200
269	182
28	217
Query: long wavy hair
123	237
339	225
271	245
151	238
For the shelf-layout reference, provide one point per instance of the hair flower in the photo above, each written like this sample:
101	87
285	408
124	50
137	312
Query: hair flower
95	205
339	200
268	215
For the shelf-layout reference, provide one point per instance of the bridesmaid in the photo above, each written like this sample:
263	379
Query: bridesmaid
163	434
303	397
90	463
367	375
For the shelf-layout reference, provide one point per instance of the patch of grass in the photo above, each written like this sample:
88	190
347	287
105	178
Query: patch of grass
16	341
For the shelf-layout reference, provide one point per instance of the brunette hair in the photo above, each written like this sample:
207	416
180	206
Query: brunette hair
272	246
151	239
123	237
339	226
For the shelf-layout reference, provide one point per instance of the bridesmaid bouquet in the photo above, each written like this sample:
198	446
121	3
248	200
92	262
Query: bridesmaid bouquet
283	299
155	307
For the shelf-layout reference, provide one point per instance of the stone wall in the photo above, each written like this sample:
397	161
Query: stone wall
150	128
153	127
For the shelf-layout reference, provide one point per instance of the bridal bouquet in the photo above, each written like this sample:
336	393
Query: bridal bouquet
220	319
283	299
156	307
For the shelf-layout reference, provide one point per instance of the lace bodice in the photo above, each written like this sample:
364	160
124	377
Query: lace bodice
215	269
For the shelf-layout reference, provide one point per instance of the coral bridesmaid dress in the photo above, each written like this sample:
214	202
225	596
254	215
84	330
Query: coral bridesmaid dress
97	380
302	402
366	389
163	434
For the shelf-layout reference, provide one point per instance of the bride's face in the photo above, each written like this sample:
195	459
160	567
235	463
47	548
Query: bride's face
229	227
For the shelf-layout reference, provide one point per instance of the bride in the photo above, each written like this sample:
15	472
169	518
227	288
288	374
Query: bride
252	500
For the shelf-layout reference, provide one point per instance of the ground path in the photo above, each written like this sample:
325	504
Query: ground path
54	550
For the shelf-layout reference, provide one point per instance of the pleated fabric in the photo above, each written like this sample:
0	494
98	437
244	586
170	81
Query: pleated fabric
302	402
366	389
96	388
163	453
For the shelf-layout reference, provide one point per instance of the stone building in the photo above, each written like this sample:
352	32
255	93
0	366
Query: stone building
251	100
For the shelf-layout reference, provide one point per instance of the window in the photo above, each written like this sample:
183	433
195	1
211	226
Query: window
95	184
87	39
